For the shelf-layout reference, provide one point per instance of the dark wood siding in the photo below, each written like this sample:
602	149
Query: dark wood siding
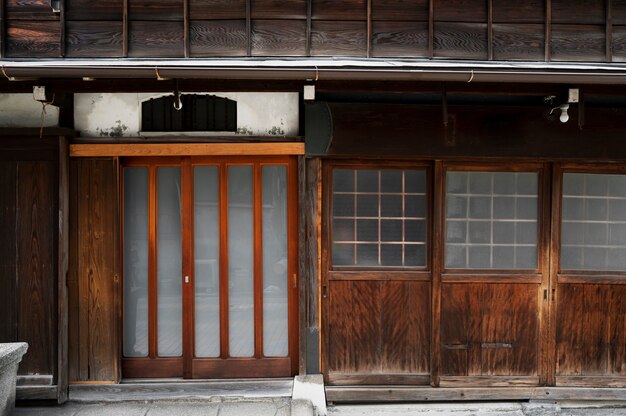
581	30
93	279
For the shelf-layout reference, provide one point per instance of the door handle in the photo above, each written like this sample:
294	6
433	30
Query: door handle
186	279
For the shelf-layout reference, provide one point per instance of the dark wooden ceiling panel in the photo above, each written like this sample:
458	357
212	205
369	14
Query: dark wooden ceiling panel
94	10
399	39
460	11
618	10
217	38
400	10
338	38
460	40
30	10
578	43
279	37
156	39
278	9
527	11
33	39
339	10
217	9
94	39
525	42
578	11
156	9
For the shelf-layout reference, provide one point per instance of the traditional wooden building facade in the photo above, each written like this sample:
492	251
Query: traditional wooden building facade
435	211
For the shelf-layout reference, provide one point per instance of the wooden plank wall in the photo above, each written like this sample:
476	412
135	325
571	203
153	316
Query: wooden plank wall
28	251
538	30
93	276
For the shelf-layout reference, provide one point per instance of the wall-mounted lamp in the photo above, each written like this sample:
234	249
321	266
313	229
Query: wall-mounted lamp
572	98
564	117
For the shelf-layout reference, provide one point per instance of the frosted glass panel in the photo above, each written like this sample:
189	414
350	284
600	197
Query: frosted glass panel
491	220
135	262
275	278
206	261
379	217
240	265
169	264
593	230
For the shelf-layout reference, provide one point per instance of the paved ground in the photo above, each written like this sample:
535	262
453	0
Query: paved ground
269	407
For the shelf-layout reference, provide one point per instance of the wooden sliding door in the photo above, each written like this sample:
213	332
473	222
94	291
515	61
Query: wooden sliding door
494	274
209	267
589	275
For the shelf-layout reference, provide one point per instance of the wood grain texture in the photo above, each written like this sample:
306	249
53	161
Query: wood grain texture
619	42
156	39
8	265
63	248
29	10
156	10
278	38
578	43
467	11
187	149
339	10
400	10
278	9
94	10
90	39
36	258
217	38
518	42
578	11
217	9
460	40
618	12
528	11
338	38
74	370
401	39
37	39
378	328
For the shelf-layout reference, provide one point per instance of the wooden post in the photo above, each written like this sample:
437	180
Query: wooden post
63	263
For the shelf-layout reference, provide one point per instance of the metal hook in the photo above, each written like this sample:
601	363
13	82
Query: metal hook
178	103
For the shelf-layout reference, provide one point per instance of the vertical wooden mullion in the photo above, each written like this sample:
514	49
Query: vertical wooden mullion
3	37
62	27
186	27
301	297
490	30
552	290
369	28
118	259
152	262
125	29
437	267
309	12
258	260
609	31
188	269
544	258
62	274
223	260
431	29
249	27
548	33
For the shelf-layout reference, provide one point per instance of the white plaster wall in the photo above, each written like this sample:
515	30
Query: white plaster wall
258	114
21	110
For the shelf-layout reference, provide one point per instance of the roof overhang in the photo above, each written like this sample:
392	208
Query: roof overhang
319	69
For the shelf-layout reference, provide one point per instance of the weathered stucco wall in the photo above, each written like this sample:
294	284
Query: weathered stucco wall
21	110
115	115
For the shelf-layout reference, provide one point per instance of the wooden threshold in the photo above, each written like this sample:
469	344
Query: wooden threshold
370	394
36	392
172	389
186	149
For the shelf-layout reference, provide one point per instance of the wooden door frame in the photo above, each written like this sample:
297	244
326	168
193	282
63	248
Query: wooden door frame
188	365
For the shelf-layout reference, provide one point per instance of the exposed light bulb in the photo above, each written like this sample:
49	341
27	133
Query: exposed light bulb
564	118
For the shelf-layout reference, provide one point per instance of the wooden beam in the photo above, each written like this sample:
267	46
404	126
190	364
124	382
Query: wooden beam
186	27
490	30
3	37
431	29
369	28
548	34
609	31
63	268
125	29
309	11
249	27
192	149
62	24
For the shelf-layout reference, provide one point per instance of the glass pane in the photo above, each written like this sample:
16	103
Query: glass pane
241	262
135	262
206	261
593	229
169	264
371	208
491	220
275	262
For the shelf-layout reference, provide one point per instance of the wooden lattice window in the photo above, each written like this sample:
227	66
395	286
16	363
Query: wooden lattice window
198	113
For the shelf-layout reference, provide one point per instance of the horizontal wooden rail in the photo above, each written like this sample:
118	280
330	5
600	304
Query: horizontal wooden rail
188	149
